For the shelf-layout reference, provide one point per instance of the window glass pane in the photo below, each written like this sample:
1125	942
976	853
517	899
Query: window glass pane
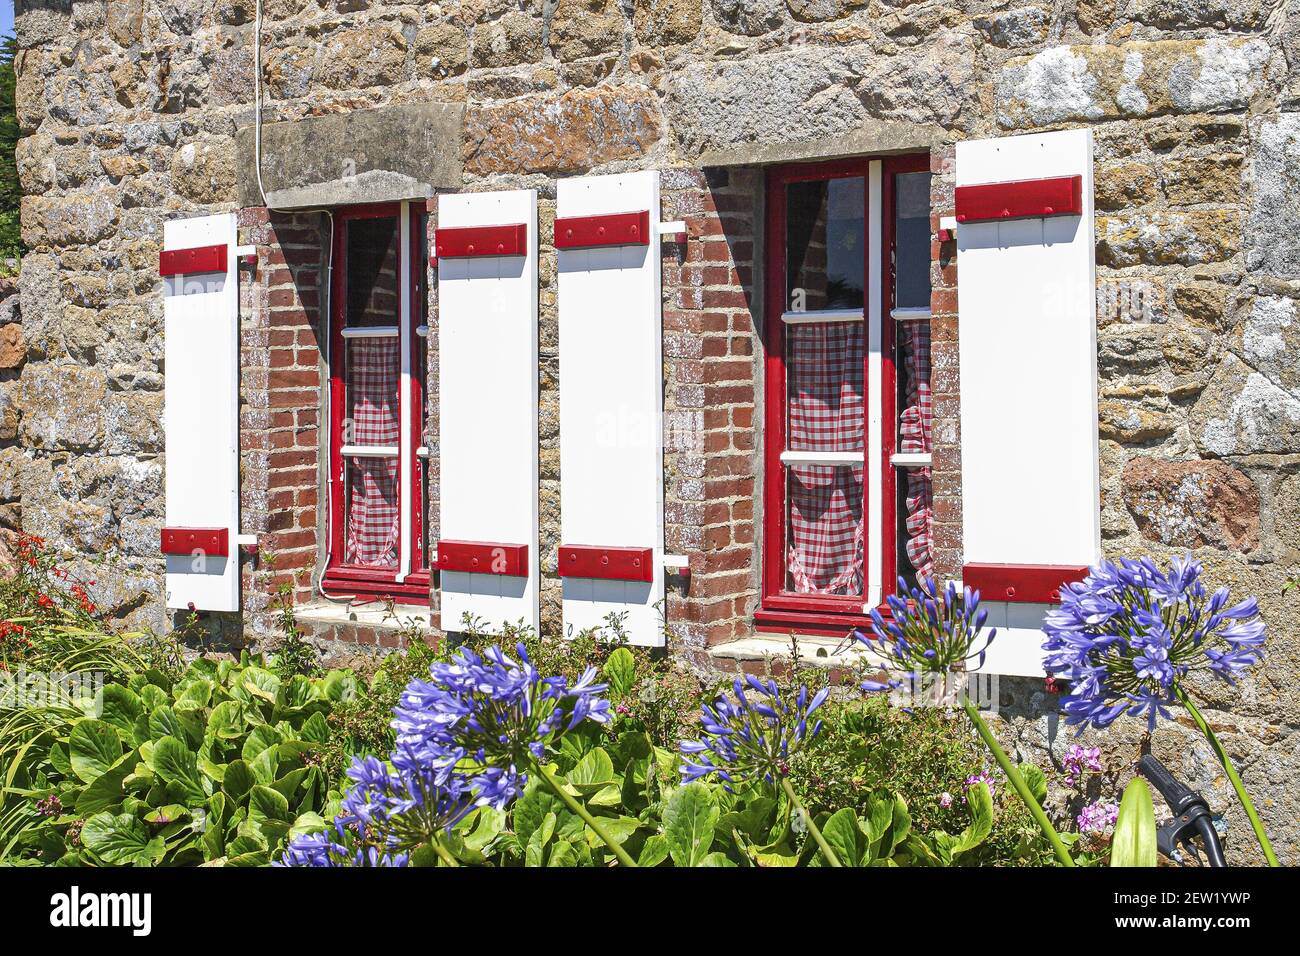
823	373
372	513
422	490
912	241
824	529
824	245
824	404
372	254
372	378
916	502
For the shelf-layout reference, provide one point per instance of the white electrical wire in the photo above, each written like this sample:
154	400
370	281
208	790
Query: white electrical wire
325	318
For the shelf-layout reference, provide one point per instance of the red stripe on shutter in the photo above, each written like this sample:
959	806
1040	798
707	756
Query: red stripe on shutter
619	229
174	262
483	557
465	242
213	542
1021	199
1021	583
617	564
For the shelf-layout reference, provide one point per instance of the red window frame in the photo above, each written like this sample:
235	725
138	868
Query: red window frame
341	579
820	613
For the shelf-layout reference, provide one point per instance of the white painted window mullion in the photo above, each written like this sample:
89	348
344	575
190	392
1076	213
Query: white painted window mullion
875	399
831	458
405	455
822	315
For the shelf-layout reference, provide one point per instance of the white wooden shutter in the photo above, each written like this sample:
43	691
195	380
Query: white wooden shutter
199	264
1029	449
611	409
487	398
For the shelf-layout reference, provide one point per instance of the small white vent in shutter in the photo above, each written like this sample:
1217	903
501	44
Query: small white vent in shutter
199	264
1027	330
611	383
486	245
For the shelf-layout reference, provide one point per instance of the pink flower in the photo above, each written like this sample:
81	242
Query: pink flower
945	799
1098	818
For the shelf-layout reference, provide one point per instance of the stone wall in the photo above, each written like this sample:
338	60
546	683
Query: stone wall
130	111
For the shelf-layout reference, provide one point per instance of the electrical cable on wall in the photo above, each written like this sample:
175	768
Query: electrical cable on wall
326	291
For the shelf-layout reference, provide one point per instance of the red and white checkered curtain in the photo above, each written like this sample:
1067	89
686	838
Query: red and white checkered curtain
373	518
825	408
914	438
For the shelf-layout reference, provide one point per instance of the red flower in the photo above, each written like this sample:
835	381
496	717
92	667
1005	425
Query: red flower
45	601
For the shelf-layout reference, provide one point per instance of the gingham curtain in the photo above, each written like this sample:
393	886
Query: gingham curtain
914	437
373	523
824	388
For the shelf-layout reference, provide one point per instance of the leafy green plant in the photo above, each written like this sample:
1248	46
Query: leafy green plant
220	766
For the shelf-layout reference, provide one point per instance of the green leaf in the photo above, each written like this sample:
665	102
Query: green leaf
532	807
620	673
121	840
262	738
618	829
535	853
290	782
168	814
489	825
120	708
716	859
654	852
238	780
105	791
689	822
177	766
261	683
981	810
315	729
94	746
226	722
845	838
251	858
266	804
163	722
1035	780
593	772
563	853
1134	843
307	823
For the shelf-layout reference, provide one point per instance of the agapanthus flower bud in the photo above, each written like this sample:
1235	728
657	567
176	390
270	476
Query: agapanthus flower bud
752	737
928	632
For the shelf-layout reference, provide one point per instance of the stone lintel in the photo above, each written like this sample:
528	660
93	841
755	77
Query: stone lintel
365	156
877	137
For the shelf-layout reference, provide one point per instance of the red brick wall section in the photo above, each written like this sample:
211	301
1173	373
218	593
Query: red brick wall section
711	358
945	378
280	401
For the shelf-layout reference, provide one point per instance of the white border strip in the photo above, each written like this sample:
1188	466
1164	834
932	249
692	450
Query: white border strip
822	457
372	332
824	315
875	409
405	497
919	459
370	451
911	315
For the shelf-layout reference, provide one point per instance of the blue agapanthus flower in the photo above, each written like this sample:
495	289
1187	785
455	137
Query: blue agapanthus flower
338	845
488	716
753	736
408	802
928	631
1129	633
